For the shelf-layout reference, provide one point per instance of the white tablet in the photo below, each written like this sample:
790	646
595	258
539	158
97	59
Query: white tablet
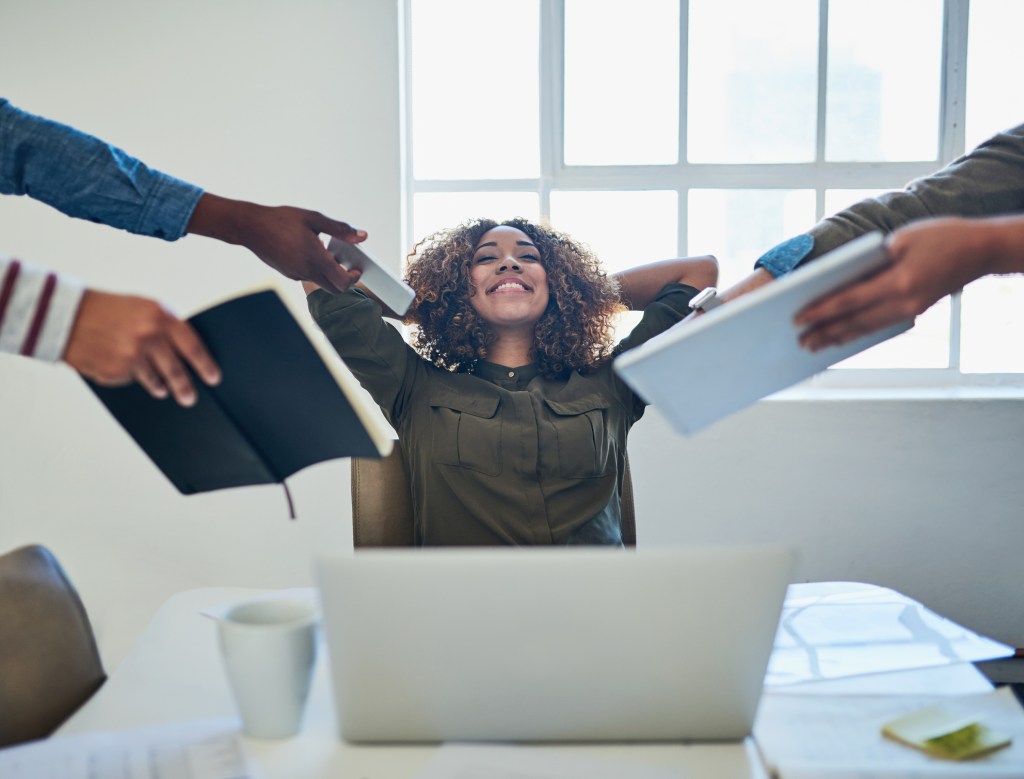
705	369
389	288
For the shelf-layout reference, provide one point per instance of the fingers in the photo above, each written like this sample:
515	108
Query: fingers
288	240
845	302
850	327
331	276
120	338
343	230
185	342
324	269
148	376
863	308
162	367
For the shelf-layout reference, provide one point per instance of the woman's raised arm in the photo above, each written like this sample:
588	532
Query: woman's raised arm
639	286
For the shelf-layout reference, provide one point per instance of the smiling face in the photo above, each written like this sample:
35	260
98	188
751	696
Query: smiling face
511	284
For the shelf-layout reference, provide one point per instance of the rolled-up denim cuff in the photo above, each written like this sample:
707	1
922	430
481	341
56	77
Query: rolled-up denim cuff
781	259
168	207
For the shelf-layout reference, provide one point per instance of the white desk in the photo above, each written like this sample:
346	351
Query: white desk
174	674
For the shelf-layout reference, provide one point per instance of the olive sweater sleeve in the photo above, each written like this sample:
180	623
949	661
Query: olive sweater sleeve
372	348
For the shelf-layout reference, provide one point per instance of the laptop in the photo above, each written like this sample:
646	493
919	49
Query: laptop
550	644
699	372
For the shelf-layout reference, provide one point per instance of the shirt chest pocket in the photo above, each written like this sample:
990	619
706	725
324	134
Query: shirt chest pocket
581	436
466	432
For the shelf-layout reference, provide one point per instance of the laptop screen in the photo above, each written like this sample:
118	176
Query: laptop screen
550	643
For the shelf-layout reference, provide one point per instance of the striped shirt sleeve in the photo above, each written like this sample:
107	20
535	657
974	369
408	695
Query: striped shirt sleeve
37	309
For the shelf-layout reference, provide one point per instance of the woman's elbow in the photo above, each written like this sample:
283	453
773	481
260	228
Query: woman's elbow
701	272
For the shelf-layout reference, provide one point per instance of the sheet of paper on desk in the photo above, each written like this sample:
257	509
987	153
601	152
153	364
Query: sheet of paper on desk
190	750
840	737
473	761
826	628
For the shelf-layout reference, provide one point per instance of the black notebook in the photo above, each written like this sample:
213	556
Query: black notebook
281	405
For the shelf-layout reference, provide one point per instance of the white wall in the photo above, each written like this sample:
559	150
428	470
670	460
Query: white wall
296	102
923	495
276	102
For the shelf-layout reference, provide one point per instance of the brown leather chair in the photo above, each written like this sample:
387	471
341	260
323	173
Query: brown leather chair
49	662
382	503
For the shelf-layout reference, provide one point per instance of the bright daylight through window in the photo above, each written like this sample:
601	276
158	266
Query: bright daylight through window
715	127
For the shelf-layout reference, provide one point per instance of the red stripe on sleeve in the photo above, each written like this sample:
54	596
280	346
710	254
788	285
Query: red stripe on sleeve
7	289
42	307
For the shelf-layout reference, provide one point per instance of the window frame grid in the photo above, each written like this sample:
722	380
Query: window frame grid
682	176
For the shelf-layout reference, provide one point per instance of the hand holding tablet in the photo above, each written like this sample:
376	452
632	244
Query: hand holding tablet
726	359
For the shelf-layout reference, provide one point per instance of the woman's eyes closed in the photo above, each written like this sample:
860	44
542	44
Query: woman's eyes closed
524	258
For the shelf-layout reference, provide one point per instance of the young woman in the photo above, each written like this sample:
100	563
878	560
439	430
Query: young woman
511	420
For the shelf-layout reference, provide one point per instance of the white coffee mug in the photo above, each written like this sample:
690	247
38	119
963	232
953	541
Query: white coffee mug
269	648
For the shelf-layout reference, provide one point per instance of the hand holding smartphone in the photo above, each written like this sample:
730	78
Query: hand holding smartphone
389	288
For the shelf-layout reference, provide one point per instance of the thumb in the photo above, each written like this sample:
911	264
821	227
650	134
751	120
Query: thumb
342	230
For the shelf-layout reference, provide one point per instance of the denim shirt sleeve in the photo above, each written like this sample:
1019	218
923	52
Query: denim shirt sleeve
87	178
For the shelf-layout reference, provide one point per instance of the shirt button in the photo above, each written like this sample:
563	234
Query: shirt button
511	374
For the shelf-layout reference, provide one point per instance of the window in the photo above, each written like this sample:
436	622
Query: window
667	128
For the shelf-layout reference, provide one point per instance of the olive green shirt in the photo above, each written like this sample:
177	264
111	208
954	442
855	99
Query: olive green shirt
502	455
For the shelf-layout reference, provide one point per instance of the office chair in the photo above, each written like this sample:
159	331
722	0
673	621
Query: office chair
382	503
49	662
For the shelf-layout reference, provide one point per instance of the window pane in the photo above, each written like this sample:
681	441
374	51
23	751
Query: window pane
880	106
992	325
623	228
752	87
439	210
926	345
621	83
739	225
475	76
993	56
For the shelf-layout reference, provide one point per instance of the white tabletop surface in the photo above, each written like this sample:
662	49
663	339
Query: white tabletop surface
173	674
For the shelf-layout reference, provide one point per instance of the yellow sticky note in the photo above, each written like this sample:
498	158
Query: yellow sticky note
939	733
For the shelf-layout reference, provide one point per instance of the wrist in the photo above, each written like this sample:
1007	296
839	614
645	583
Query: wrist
1001	244
757	279
221	218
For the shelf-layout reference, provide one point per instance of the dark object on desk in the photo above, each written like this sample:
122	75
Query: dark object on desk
49	663
382	503
1008	671
278	409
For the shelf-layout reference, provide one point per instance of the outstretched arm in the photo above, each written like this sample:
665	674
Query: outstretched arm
982	183
285	238
930	259
111	339
640	286
87	178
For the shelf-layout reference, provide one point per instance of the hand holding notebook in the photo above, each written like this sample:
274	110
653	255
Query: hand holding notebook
284	403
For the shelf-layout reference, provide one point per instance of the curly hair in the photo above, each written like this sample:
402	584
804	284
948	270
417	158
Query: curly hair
574	332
